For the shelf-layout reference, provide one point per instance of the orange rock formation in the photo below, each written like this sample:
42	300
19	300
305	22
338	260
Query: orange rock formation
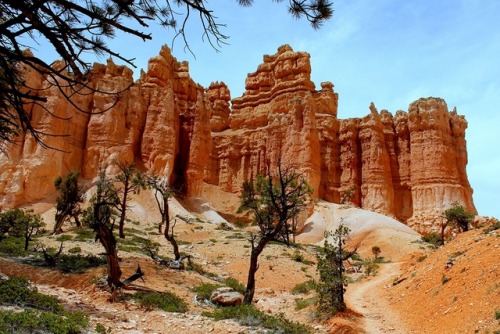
410	165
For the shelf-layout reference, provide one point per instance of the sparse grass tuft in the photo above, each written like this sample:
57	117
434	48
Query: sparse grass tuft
84	234
240	224
224	227
302	303
304	287
75	250
99	328
492	227
421	258
64	237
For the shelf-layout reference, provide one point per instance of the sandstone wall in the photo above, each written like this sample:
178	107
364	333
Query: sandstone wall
410	165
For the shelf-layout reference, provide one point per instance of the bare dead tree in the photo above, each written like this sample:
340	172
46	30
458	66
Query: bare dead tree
50	259
131	181
163	192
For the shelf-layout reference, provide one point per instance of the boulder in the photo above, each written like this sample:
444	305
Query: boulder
226	296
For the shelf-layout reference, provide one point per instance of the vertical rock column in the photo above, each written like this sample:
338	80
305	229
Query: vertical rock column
435	171
377	192
116	122
350	160
328	133
401	179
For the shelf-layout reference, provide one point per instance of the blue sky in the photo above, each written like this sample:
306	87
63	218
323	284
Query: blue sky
389	52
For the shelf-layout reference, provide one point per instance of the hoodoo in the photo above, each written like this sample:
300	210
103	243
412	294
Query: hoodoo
410	165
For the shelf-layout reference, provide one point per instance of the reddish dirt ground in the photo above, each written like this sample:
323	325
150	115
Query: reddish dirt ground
430	298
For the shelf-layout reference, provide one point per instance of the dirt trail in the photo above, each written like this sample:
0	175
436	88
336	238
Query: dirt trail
365	298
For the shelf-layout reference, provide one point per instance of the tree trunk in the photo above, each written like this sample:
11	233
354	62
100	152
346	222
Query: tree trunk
77	220
250	290
108	241
340	304
170	235
173	242
27	241
252	270
123	207
60	218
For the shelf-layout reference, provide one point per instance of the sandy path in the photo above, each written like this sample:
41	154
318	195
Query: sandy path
365	298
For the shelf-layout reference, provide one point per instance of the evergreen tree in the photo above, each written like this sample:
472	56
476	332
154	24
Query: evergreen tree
68	201
275	199
331	270
21	224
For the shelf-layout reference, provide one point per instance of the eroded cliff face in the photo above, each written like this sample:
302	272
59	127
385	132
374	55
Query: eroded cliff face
410	165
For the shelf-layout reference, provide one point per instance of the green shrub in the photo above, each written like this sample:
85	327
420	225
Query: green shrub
64	237
165	301
497	315
99	328
304	287
46	314
421	258
11	246
235	284
75	250
433	239
17	291
297	256
204	290
248	315
445	279
32	321
302	303
78	263
84	234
